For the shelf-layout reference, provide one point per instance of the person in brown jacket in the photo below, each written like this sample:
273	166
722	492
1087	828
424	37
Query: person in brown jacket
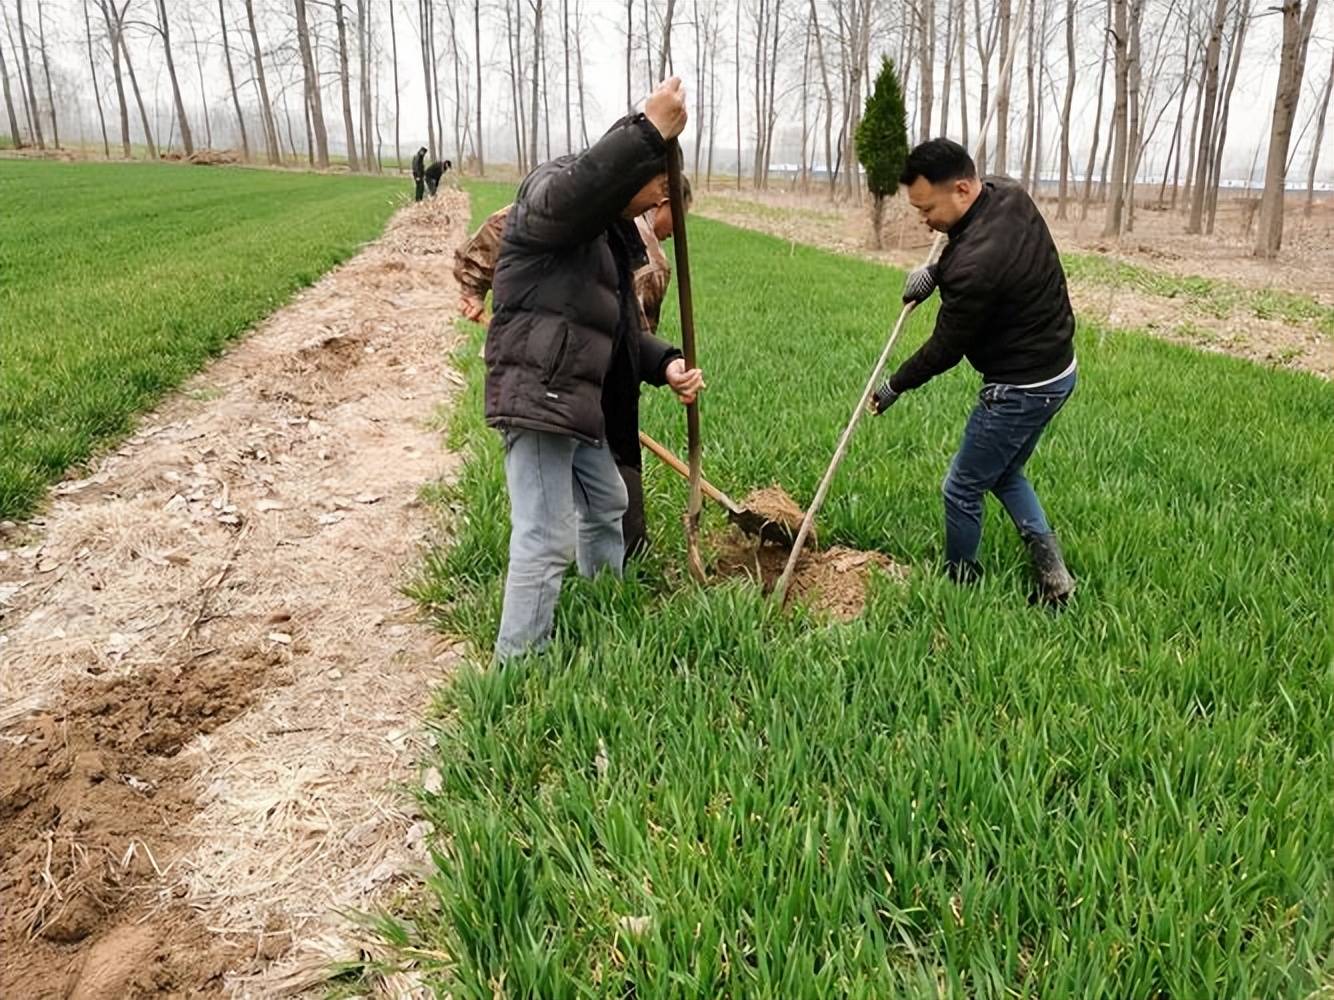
474	266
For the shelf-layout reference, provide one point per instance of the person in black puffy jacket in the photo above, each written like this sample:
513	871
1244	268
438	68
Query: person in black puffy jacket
566	350
1004	307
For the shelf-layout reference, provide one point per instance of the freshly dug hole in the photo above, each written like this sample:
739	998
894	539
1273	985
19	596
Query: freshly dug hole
830	580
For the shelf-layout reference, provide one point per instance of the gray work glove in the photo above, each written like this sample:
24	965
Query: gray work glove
883	398
920	284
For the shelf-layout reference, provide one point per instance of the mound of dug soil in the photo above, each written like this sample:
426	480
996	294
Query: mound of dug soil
212	157
831	580
774	505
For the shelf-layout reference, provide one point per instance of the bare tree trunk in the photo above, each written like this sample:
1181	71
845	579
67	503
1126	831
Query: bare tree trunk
544	63
1065	108
1207	120
758	65
986	44
434	81
265	105
477	44
1134	12
1120	122
565	51
164	29
46	71
424	24
1003	89
1030	118
203	95
460	112
364	69
828	102
310	130
1292	68
314	103
962	33
947	78
737	63
516	85
1174	147
231	79
9	96
648	49
1224	113
1315	148
97	89
32	90
25	99
665	49
712	50
927	51
344	86
134	85
771	111
629	52
700	94
535	6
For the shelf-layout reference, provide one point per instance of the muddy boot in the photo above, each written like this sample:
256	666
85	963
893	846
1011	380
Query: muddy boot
964	573
1054	582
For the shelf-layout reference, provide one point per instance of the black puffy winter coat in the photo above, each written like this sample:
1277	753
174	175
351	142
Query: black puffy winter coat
566	348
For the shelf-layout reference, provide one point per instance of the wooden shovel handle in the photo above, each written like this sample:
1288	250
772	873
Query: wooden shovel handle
683	470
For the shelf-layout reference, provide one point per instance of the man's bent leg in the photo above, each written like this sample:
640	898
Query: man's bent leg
600	501
633	525
971	474
538	471
1028	415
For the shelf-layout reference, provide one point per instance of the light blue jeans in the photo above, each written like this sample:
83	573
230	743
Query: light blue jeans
566	503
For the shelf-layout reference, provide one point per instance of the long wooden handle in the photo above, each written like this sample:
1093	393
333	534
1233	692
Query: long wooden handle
807	522
683	470
676	194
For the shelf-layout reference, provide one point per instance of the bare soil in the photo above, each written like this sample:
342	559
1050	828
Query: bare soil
1159	243
210	680
831	581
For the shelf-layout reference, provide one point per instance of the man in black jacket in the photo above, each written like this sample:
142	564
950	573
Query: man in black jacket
434	173
419	174
1005	308
565	353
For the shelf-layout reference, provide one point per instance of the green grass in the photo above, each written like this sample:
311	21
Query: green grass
723	197
1213	296
119	280
956	795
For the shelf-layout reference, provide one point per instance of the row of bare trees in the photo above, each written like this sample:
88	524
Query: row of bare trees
285	61
1123	103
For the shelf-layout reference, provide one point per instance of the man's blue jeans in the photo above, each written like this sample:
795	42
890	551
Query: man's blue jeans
1000	436
566	503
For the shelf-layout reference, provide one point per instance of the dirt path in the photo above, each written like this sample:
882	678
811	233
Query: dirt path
209	678
1205	322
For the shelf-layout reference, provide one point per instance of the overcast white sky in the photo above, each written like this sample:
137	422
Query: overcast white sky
604	73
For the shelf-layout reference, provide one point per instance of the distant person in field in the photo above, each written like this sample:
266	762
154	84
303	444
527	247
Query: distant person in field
474	266
433	174
1005	308
565	352
419	174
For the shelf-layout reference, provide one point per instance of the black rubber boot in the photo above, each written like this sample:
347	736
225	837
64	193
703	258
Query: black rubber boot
1054	582
964	573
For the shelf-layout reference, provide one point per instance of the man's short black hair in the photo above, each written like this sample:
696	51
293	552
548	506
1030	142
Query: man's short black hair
939	161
